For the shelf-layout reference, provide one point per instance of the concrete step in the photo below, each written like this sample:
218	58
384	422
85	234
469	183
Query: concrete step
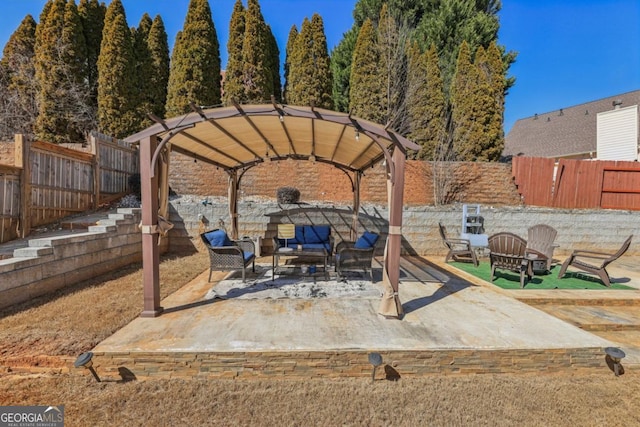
597	317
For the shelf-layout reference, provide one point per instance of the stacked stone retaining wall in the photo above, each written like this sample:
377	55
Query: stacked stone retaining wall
602	230
52	263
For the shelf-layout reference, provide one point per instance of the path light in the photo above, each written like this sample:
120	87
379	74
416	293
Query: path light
616	356
376	360
84	360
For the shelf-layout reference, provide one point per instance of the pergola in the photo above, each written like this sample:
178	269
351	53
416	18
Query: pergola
240	137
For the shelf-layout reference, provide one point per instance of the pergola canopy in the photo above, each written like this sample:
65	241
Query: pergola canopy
239	137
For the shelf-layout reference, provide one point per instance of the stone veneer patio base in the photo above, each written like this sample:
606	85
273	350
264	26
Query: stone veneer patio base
335	364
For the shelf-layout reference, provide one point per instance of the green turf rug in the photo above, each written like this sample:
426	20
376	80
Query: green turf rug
510	280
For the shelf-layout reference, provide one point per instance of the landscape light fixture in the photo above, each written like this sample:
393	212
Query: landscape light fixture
84	360
376	360
616	356
357	135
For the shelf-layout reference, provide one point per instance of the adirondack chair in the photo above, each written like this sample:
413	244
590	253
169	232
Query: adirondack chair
459	249
508	252
540	240
597	265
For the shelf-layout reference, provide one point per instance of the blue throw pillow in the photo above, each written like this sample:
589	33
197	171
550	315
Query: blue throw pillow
366	241
218	238
316	233
299	234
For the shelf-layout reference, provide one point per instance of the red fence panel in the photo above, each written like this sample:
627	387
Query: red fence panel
578	184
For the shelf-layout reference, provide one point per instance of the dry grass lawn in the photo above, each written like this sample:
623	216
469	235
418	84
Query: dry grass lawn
47	332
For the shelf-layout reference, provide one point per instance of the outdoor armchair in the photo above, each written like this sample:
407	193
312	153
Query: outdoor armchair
228	255
459	249
540	241
594	262
508	252
356	255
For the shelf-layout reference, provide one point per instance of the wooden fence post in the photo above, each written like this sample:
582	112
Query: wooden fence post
95	150
21	160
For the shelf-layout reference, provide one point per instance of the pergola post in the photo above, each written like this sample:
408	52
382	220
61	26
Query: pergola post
356	205
233	203
390	306
150	249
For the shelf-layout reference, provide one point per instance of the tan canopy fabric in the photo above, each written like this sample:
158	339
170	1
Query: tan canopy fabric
240	137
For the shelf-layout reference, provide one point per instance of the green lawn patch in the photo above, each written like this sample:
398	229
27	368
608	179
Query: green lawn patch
510	280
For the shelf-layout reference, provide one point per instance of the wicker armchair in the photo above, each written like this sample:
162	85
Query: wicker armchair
352	256
234	255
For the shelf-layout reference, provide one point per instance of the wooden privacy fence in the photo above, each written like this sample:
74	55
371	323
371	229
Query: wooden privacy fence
578	184
50	182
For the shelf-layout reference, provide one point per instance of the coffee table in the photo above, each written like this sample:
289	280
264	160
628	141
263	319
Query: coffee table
301	257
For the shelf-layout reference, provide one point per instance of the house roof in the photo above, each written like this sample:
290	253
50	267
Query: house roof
562	133
242	136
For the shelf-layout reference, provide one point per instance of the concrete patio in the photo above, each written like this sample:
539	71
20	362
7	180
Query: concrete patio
452	325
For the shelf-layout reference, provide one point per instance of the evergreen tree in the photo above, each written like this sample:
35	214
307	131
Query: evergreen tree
141	100
233	82
257	77
464	104
159	79
454	21
341	57
425	100
76	102
274	64
117	115
366	92
490	87
92	16
18	106
195	63
310	72
436	135
60	65
291	40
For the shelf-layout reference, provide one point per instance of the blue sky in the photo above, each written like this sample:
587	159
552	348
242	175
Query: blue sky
569	51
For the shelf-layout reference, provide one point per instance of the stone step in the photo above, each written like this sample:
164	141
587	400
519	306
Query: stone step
597	317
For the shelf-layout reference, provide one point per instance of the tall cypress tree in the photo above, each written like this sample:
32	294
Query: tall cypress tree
257	77
366	92
464	105
19	107
92	16
159	51
233	82
310	72
436	135
195	63
60	64
291	40
274	64
117	115
144	71
322	64
496	76
341	57
77	99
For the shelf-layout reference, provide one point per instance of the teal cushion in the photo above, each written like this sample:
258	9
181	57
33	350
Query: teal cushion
316	233
366	241
218	238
